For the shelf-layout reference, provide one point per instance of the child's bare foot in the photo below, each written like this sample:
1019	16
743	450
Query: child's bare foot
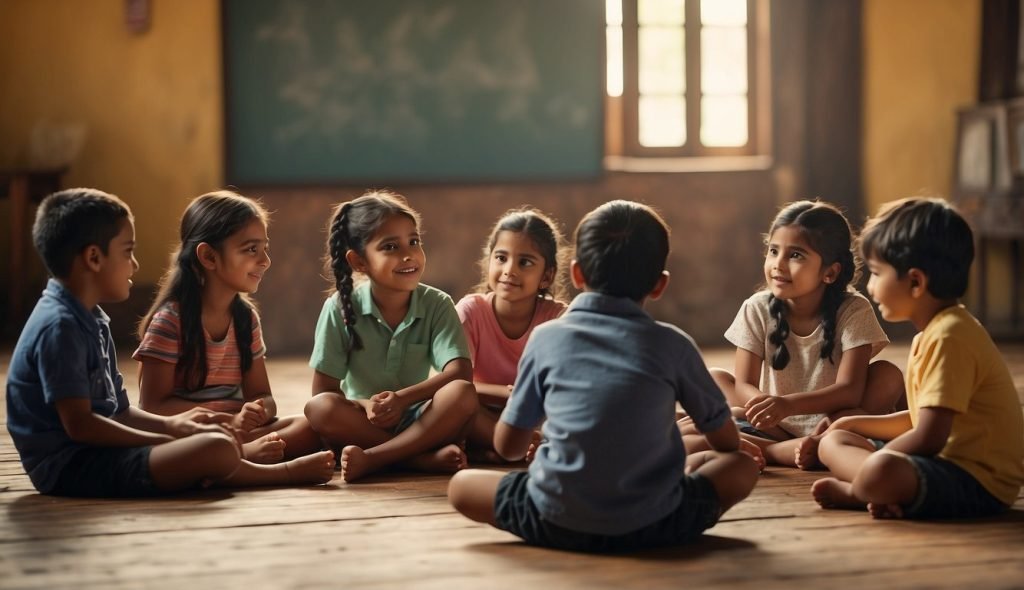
447	459
833	493
754	451
806	453
885	510
489	456
314	469
354	463
266	449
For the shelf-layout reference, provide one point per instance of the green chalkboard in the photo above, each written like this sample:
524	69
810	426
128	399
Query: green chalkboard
321	91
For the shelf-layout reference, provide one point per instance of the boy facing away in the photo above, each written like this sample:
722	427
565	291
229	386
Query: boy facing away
958	450
67	408
612	474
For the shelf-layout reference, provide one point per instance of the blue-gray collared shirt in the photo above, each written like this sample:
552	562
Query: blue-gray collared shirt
607	377
64	351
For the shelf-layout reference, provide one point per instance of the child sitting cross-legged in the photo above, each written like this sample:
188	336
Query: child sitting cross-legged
612	474
958	450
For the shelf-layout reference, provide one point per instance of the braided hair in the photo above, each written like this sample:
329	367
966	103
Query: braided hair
211	218
351	226
546	237
828	233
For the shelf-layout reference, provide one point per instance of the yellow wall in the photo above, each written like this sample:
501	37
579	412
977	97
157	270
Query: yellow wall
921	60
920	64
151	101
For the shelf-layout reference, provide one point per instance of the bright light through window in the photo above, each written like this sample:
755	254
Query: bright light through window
613	17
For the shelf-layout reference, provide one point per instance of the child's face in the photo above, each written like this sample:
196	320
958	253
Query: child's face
889	291
394	258
516	270
792	268
243	258
115	275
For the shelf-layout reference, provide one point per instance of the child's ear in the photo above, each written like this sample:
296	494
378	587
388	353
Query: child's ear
93	257
659	287
548	278
355	261
576	274
918	282
206	255
832	272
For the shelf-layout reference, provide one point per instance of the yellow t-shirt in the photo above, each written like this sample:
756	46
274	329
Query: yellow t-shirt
954	364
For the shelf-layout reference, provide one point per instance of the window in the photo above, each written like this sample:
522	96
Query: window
687	77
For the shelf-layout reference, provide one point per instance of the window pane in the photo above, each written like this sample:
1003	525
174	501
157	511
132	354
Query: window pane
613	12
723	60
662	121
662	66
723	121
661	12
614	61
729	13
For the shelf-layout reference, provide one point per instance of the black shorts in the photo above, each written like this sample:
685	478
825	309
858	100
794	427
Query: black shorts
515	512
103	472
945	490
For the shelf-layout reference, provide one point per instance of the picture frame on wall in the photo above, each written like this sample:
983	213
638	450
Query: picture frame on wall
981	164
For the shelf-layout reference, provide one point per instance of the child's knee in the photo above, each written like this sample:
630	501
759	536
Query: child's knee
883	474
318	410
220	454
460	396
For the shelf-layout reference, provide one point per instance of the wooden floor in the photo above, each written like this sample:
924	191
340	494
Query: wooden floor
398	531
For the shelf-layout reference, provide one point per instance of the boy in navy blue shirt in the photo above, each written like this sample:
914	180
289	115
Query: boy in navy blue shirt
612	474
67	408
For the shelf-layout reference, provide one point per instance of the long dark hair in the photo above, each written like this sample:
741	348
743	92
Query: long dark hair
210	219
828	233
546	237
352	225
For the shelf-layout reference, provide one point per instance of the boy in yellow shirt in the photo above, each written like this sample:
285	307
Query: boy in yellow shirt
958	451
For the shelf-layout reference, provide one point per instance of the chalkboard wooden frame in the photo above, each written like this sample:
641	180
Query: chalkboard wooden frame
324	92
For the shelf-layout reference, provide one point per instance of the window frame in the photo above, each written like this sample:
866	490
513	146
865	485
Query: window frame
758	91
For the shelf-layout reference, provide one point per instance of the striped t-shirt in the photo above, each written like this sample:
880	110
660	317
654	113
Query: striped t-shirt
223	362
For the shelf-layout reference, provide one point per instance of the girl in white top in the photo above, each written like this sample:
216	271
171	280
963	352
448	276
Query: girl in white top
804	344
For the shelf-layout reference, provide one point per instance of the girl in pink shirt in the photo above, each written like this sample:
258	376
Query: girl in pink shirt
521	288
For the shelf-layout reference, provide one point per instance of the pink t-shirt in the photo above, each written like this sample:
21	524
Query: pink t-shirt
496	356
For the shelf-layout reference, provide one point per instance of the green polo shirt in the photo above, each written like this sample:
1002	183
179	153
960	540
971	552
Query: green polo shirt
429	336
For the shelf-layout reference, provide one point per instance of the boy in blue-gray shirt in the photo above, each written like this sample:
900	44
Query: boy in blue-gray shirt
612	474
67	408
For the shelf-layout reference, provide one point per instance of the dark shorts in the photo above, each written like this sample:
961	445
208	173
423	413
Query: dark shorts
100	472
746	427
409	416
947	491
515	512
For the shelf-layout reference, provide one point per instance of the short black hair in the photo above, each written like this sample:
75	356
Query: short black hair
621	248
923	233
71	220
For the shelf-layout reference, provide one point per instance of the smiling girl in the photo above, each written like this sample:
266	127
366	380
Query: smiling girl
521	288
376	343
201	343
804	343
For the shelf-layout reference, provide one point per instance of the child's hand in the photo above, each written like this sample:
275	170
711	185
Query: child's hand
765	411
385	409
252	415
199	420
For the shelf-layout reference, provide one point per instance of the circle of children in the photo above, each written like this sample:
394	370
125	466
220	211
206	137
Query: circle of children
586	391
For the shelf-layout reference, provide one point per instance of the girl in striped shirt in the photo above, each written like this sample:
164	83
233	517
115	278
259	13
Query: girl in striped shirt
201	343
